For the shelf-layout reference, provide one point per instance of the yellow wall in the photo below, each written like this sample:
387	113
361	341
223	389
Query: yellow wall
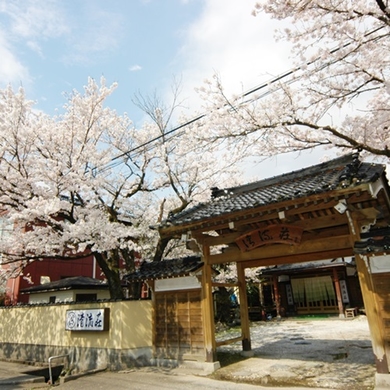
130	326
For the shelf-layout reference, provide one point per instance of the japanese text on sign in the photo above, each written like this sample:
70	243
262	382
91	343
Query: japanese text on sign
273	234
88	319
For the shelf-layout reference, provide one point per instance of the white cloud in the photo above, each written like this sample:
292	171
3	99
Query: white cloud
26	24
135	68
12	71
95	31
228	40
90	31
31	19
35	47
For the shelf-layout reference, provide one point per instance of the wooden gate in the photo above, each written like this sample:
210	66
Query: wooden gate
179	325
382	290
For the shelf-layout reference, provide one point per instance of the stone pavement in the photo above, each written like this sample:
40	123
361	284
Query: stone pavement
13	376
332	353
147	378
290	354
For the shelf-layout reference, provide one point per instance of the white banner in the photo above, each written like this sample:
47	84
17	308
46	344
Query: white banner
87	319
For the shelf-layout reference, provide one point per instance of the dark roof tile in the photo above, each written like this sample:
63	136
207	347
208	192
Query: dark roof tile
168	268
374	240
75	282
343	172
305	266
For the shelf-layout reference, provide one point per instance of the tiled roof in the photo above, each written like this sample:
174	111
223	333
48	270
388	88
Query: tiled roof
375	240
75	282
308	265
343	172
166	269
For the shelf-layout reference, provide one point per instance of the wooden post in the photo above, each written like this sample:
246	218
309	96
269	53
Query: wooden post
338	293
261	294
261	299
244	312
277	296
151	285
375	321
208	308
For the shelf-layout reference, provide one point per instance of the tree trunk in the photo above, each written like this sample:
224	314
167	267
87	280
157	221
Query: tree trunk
112	275
160	248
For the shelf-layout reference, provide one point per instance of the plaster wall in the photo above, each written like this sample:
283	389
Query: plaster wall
34	333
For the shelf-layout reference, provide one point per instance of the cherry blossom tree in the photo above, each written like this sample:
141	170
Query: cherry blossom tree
60	189
88	182
337	96
186	167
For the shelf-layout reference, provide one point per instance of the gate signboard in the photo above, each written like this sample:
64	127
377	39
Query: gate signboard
273	234
87	319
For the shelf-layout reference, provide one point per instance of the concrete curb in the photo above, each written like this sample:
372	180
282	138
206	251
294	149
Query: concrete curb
22	379
68	378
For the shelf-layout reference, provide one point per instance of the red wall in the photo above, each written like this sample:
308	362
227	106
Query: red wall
55	269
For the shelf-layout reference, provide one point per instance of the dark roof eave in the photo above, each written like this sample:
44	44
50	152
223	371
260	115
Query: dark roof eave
166	269
335	178
161	277
37	289
209	222
311	268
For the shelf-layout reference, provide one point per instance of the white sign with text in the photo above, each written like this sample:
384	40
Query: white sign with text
86	319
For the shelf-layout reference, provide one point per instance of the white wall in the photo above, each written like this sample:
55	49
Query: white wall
65	296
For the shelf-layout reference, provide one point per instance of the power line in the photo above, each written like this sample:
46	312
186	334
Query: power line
243	95
197	118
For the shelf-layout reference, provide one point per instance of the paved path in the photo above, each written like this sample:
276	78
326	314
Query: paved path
143	379
331	353
289	354
12	376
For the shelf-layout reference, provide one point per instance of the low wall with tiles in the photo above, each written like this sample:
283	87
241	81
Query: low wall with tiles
35	333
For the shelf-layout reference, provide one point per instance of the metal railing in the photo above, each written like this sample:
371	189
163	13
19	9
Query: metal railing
52	358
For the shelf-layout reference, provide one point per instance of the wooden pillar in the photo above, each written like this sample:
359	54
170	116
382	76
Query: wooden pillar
261	299
244	312
277	296
208	308
375	321
261	294
151	285
338	293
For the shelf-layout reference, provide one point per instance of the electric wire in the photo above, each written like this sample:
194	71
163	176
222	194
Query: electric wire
116	161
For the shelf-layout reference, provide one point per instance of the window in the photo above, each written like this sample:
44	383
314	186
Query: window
86	297
44	279
52	299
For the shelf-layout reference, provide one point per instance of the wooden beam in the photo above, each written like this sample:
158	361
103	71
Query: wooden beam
282	250
228	341
220	284
308	224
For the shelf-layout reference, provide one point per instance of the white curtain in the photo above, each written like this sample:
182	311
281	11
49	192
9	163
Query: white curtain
314	289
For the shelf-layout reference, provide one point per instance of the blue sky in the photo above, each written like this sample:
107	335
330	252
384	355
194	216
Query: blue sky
51	47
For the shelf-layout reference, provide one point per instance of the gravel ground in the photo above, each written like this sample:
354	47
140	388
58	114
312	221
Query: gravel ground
329	353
